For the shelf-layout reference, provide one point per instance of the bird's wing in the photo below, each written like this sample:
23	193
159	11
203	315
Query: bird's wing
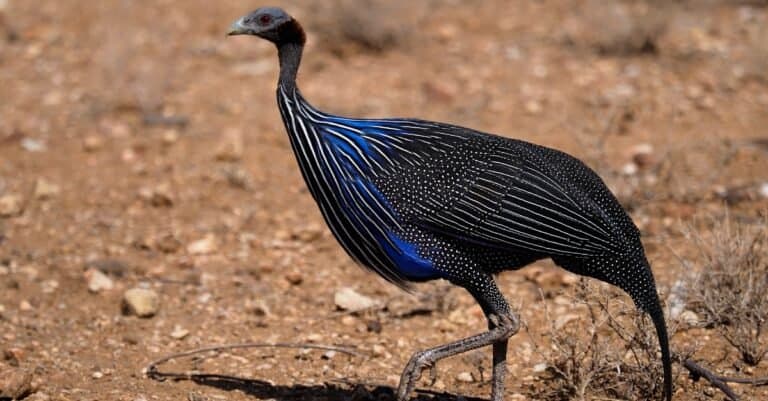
514	199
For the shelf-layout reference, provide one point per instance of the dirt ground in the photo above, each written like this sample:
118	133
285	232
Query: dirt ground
140	147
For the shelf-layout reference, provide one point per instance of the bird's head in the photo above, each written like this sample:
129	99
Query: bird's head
270	23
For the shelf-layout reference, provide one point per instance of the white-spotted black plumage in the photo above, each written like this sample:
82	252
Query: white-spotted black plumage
416	200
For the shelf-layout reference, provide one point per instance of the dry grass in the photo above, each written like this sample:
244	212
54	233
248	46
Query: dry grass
617	359
730	289
623	27
350	26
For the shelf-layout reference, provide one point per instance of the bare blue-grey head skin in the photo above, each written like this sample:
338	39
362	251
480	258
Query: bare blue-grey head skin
277	26
417	200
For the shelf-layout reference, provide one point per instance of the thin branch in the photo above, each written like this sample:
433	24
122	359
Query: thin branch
153	373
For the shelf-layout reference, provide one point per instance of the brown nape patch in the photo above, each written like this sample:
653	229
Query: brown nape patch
292	32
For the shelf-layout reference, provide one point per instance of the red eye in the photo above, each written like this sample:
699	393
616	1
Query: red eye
265	20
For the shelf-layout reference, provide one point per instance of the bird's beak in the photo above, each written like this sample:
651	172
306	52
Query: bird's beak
237	28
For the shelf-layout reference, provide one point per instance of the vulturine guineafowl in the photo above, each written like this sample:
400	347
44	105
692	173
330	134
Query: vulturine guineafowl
416	200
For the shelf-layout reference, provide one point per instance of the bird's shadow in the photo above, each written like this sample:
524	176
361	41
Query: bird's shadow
328	391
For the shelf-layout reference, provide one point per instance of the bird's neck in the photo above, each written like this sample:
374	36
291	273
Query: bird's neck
290	58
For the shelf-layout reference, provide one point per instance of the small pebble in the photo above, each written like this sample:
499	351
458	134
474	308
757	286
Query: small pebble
141	302
92	143
98	281
295	278
465	377
203	246
179	332
97	375
379	350
329	354
11	205
350	300
25	306
33	145
45	189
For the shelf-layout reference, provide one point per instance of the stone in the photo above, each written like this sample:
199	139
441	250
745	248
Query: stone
15	383
141	302
45	189
295	278
11	205
689	317
179	332
98	281
92	143
168	243
160	196
203	246
540	367
465	377
533	106
33	145
643	156
350	300
763	190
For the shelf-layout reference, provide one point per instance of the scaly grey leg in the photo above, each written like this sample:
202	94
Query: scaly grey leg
503	328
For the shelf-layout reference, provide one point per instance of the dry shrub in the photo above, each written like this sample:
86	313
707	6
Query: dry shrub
730	289
622	27
349	26
613	353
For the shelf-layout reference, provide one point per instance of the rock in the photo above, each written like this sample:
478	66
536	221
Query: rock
465	377
203	246
45	189
533	106
763	190
93	143
33	145
540	367
25	306
257	307
141	302
98	281
179	332
295	278
11	205
168	244
14	355
349	299
231	147
379	350
689	317
15	383
160	196
328	355
643	156
170	137
629	169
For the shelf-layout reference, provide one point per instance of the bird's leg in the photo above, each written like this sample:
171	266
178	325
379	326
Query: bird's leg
499	370
504	326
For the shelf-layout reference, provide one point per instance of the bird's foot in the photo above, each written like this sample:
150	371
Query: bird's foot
412	373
